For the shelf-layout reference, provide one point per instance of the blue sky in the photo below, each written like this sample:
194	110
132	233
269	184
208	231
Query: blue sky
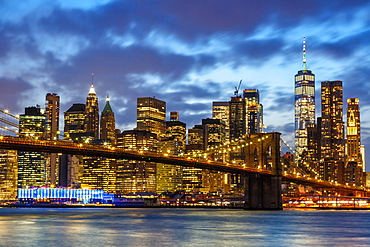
185	52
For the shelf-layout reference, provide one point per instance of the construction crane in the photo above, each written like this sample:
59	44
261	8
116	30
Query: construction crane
236	92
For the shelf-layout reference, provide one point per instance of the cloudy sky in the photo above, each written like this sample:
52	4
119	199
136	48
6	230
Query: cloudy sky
185	52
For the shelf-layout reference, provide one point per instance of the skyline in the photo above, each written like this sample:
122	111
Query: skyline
185	53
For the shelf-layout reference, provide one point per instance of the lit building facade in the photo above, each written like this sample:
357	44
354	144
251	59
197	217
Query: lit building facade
8	174
353	173
304	106
332	131
31	165
151	115
52	112
254	111
136	176
91	124
221	110
238	126
169	177
108	124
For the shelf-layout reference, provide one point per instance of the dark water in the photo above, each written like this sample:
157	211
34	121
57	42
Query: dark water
182	227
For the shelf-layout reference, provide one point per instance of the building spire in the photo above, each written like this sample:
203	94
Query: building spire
92	89
304	54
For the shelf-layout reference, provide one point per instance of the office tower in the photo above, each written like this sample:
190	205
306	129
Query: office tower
254	111
52	116
238	127
31	165
52	133
136	176
220	110
214	135
108	124
169	177
8	174
99	173
332	131
353	173
74	120
304	106
192	177
91	124
151	115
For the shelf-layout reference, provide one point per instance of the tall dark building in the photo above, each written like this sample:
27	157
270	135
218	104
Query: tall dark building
91	124
304	104
238	127
332	131
108	123
74	120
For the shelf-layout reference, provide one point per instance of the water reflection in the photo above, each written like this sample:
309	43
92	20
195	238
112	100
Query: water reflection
182	227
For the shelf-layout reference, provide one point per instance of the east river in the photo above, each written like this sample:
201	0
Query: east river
181	227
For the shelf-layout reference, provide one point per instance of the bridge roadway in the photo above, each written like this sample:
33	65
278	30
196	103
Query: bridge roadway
66	147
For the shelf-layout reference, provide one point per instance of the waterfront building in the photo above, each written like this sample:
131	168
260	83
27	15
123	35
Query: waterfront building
91	124
74	120
108	124
169	177
221	110
52	133
254	111
8	174
151	115
31	165
353	172
99	173
192	177
304	97
332	131
136	176
214	135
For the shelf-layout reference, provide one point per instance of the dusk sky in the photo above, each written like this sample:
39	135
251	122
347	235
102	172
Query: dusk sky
185	52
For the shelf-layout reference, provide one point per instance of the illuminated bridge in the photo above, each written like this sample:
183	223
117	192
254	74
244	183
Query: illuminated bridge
263	175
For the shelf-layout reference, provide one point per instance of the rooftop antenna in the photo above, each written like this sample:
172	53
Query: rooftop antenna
304	54
236	92
92	79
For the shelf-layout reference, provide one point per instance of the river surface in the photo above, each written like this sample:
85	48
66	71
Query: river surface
181	227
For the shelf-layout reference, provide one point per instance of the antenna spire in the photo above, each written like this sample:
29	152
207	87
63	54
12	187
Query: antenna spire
92	79
304	54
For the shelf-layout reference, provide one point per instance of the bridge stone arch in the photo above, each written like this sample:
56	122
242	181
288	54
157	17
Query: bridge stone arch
263	191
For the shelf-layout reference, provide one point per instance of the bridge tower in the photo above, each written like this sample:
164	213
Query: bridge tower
263	191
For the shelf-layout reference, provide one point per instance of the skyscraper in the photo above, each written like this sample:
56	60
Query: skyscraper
91	124
31	165
52	133
304	104
108	123
169	177
74	120
238	127
332	131
221	110
254	111
353	173
151	115
52	116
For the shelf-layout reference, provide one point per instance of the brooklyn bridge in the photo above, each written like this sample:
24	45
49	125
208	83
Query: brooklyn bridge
262	172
